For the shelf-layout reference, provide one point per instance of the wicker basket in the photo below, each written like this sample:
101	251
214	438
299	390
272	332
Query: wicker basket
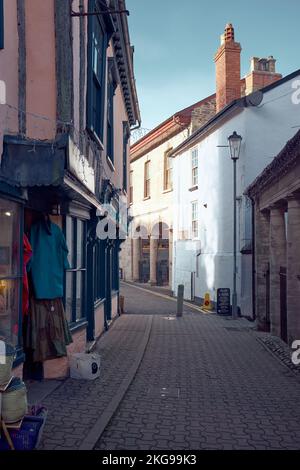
5	369
14	401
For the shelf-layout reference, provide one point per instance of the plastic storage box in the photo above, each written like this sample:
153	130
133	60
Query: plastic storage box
85	366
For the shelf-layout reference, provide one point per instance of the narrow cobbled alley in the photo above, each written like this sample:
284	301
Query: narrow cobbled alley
196	382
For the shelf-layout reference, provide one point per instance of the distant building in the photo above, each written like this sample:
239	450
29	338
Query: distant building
147	254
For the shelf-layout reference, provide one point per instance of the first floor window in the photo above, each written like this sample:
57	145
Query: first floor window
95	71
195	167
76	275
110	118
195	219
147	179
131	187
10	270
168	170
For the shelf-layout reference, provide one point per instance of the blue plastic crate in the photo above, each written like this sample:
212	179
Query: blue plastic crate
28	436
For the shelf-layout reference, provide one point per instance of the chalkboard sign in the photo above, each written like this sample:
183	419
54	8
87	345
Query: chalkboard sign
223	301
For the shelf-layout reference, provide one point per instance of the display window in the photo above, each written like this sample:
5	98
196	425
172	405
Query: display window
10	270
75	230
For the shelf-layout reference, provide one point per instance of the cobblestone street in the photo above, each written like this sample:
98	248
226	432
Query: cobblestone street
199	382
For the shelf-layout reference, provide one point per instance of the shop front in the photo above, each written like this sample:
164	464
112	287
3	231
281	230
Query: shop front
58	281
11	268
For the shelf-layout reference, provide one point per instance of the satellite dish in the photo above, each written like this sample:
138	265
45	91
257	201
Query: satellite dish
255	98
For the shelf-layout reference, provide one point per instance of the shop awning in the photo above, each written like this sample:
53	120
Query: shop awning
27	163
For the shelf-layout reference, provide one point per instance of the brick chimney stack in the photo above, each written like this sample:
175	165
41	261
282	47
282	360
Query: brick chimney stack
262	73
228	69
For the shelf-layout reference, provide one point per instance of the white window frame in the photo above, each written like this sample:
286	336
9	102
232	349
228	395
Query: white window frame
194	163
195	220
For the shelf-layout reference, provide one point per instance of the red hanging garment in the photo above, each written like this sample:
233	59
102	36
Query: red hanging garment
27	253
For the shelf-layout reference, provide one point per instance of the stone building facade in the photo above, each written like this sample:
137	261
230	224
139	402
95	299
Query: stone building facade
276	197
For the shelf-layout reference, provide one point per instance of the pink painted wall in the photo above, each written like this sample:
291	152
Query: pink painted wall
40	69
76	65
9	70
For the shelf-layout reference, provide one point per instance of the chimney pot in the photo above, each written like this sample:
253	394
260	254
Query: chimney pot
228	69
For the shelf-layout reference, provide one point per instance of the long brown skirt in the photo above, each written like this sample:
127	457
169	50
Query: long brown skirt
48	334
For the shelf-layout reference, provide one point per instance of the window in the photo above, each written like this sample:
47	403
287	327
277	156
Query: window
75	276
96	72
99	270
115	266
131	187
1	25
195	167
168	170
195	219
110	117
126	135
147	179
10	270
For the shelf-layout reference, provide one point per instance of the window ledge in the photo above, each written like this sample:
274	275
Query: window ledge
110	163
98	303
146	198
167	190
78	325
193	188
96	138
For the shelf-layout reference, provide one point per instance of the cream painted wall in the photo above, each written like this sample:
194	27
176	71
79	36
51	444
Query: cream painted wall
157	208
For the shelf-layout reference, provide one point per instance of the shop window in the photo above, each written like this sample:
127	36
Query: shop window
99	271
10	270
75	276
96	71
1	25
115	267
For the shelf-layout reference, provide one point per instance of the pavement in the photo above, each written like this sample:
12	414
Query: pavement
196	382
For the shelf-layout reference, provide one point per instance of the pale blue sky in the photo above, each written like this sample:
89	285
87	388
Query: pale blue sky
175	42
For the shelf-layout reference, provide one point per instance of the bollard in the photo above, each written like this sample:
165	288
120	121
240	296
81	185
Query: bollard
180	300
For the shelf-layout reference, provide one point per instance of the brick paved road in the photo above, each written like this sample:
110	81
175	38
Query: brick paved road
205	382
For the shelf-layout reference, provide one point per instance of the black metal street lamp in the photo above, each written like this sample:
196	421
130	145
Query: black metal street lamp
234	141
